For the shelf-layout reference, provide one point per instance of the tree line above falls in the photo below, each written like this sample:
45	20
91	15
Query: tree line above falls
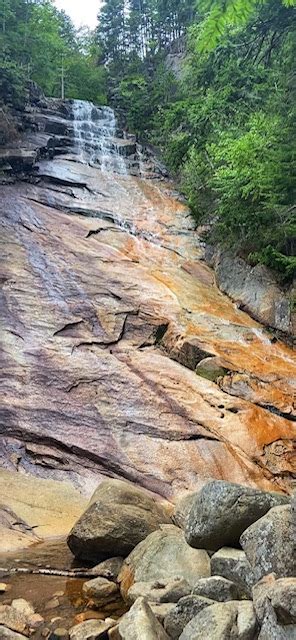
211	83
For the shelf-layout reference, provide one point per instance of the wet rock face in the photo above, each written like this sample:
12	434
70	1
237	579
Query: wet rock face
107	310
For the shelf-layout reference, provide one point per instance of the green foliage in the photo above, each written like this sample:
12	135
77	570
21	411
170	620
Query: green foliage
226	16
36	40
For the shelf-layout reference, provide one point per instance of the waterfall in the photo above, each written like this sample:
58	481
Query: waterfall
94	130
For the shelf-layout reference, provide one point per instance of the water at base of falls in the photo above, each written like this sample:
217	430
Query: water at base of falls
95	137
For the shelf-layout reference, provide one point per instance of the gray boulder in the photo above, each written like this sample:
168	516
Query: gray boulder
280	595
217	588
140	623
163	556
271	629
269	544
233	565
119	516
8	634
159	591
186	609
221	512
222	621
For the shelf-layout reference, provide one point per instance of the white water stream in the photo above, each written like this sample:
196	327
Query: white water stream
95	137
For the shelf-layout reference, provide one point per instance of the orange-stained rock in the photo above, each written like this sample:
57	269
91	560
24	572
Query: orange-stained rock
103	296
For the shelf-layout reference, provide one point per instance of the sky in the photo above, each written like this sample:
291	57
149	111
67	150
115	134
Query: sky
82	12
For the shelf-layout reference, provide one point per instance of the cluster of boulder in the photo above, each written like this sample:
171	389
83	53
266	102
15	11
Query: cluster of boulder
220	565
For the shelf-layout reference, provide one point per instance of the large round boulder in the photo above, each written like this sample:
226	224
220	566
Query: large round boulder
119	516
221	512
164	555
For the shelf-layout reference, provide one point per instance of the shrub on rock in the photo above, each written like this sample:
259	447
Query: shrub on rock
221	512
119	516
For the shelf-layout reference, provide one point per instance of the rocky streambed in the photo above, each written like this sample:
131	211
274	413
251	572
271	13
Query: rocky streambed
122	359
220	564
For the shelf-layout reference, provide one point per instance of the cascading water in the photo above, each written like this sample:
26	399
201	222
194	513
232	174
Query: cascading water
95	137
97	143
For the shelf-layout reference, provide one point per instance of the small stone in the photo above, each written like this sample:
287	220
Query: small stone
23	606
90	630
35	620
89	615
101	591
233	565
58	594
52	604
45	632
59	634
4	587
217	588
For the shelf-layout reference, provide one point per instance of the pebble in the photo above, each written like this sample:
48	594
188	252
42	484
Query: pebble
59	634
3	587
52	604
35	621
89	615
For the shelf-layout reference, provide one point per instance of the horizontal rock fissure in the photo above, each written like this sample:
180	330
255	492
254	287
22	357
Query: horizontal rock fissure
66	327
277	412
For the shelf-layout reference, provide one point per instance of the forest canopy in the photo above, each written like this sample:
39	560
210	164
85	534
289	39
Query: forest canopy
211	83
